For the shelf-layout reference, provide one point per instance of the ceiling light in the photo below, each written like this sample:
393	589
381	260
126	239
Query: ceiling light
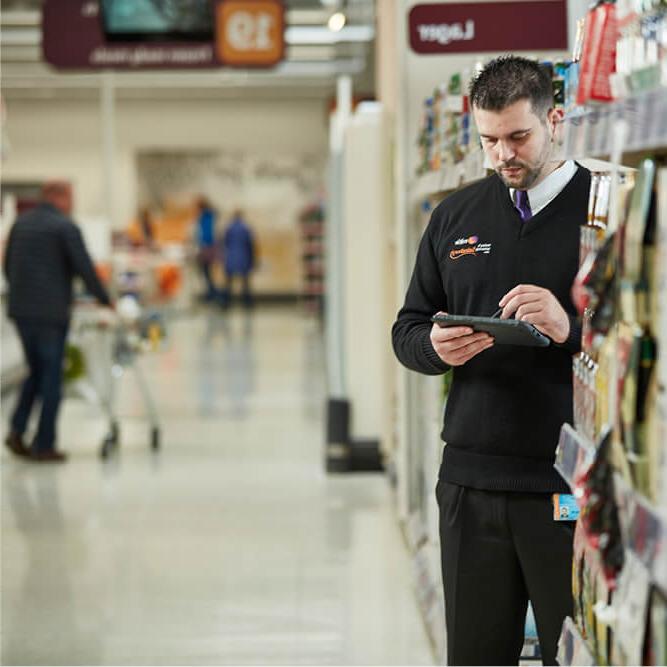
337	21
307	35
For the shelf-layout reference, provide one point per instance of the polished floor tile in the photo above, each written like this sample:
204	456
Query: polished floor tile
230	545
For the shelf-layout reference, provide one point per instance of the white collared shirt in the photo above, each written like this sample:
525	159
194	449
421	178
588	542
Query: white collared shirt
546	191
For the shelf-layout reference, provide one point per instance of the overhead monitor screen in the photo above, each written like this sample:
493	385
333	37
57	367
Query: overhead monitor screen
138	20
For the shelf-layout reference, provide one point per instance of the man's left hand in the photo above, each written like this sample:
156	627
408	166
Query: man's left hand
539	307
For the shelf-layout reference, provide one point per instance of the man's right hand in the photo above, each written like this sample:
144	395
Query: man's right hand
457	345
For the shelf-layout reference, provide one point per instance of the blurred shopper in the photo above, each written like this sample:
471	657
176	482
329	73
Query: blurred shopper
510	240
206	249
45	251
239	257
146	227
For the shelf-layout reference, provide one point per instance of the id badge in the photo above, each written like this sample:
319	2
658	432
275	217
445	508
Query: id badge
565	507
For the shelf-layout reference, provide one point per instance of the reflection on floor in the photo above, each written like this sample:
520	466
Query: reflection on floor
230	546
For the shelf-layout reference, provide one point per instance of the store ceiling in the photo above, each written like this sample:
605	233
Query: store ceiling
313	60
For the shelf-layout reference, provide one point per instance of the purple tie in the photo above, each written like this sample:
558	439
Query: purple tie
523	205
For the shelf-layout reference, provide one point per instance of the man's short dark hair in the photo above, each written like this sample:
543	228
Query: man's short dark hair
507	80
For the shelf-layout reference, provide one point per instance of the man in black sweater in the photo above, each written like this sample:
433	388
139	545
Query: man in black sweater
510	241
44	252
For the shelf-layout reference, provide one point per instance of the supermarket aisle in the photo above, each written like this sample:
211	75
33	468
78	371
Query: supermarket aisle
229	547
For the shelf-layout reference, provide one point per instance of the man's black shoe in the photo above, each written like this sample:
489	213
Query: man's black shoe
14	443
49	456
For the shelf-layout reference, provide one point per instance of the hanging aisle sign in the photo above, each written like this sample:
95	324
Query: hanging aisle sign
147	34
488	26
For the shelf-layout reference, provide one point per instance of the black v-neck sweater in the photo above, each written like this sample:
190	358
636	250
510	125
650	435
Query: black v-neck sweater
507	404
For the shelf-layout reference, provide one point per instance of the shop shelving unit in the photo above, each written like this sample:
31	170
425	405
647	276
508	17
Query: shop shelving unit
434	183
427	399
312	254
641	123
589	133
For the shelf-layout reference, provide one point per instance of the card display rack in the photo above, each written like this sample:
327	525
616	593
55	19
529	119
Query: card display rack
588	133
433	183
572	649
615	459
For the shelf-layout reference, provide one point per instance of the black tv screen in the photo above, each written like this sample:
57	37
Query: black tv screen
152	20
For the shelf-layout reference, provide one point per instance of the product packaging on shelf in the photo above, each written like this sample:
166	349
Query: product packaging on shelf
598	58
603	596
620	376
620	380
589	597
659	431
631	607
642	47
599	519
658	629
636	225
579	547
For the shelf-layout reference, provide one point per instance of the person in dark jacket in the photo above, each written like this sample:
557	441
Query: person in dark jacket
508	244
239	256
44	252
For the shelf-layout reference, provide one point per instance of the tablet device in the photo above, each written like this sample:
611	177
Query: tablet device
505	332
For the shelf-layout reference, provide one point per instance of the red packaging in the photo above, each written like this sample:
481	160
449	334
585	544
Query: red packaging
598	59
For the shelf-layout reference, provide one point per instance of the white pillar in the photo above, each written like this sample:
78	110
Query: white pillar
336	243
108	122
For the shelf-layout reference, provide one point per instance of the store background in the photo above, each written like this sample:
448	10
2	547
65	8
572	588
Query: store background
267	142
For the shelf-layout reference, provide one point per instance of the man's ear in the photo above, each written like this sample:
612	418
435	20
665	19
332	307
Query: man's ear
555	118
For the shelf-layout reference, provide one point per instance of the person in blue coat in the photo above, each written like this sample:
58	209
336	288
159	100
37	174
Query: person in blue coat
206	251
239	256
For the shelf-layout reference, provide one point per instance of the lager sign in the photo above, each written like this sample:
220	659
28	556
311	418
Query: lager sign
478	27
250	32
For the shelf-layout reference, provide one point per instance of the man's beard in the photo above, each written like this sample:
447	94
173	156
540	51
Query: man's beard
531	173
529	176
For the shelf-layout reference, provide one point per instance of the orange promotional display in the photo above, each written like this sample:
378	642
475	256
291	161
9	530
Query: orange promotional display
169	279
249	33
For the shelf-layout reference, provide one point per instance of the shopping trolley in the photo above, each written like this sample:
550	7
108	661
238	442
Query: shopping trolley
103	346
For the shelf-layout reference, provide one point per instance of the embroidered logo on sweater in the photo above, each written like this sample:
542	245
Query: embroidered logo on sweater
471	240
475	248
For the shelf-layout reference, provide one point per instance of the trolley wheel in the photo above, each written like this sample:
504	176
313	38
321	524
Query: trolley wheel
155	438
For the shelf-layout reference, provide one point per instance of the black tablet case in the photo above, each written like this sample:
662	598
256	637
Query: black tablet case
505	332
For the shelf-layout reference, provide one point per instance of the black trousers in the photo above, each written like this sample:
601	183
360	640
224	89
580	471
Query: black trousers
246	295
499	550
